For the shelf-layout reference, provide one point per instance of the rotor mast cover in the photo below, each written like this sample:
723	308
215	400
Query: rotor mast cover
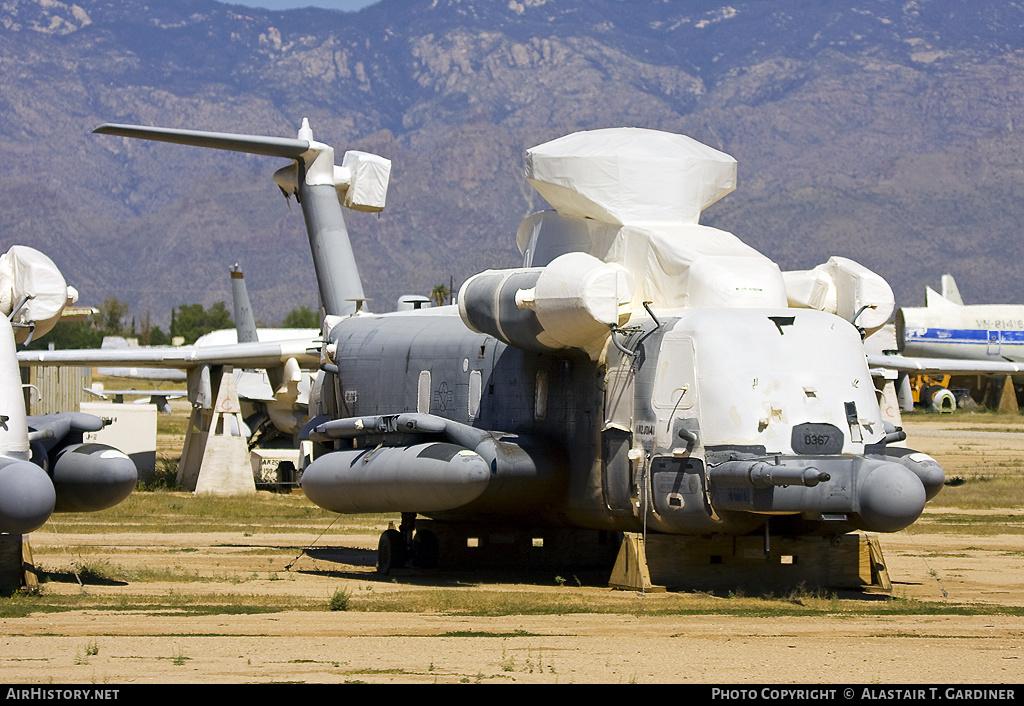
630	175
33	291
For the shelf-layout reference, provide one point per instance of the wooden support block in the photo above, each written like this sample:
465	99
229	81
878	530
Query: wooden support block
1008	398
30	580
726	563
12	573
215	457
630	571
879	572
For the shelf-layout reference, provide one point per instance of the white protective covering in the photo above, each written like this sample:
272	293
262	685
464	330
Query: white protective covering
13	432
25	271
630	175
634	197
675	266
364	178
577	299
844	288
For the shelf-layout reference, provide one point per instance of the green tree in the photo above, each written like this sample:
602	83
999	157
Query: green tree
109	321
152	335
158	338
190	321
439	293
112	316
303	317
68	335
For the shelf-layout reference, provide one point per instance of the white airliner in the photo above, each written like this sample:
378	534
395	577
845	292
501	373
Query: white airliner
948	337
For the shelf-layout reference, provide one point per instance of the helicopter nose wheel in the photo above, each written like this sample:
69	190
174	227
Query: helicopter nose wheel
400	547
392	552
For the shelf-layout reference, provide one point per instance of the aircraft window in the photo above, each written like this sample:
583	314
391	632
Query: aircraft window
540	395
423	393
673	387
475	387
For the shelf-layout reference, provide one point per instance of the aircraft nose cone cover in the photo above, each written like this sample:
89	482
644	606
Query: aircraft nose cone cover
91	477
26	497
891	498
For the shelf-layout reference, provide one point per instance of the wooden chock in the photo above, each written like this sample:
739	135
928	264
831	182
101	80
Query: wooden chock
631	572
215	458
17	570
879	572
1008	399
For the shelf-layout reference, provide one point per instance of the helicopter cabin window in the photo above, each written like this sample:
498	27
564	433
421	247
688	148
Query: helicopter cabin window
674	388
475	387
540	395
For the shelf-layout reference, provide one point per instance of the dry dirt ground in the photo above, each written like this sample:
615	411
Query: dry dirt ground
715	645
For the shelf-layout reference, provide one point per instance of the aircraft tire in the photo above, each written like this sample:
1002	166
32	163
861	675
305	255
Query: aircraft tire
425	549
940	399
391	551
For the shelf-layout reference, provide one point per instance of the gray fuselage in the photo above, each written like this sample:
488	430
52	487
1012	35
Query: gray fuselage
638	440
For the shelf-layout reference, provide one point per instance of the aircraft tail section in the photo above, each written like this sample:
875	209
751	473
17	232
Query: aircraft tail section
321	188
245	323
950	291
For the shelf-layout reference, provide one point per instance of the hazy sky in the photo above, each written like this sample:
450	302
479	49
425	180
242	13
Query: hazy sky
288	4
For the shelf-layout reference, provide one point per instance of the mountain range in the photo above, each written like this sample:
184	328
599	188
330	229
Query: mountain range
885	132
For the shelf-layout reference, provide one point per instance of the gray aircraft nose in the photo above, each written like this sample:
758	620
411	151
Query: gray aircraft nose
27	497
890	497
91	477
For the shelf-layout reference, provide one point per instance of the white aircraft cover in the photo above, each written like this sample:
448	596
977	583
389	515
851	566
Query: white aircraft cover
577	299
25	271
368	177
630	175
673	266
845	288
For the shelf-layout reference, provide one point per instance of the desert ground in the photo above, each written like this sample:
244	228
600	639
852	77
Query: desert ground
163	590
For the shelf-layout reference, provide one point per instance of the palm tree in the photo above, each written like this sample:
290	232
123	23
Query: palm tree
439	293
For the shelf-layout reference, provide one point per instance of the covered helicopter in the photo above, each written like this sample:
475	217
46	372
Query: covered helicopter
639	372
45	464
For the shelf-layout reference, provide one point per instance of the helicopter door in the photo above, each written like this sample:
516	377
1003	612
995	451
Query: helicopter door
617	439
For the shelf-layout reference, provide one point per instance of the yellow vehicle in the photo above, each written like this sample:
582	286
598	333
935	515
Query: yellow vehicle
933	392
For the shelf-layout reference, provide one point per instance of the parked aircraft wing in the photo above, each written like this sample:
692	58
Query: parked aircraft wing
949	366
240	355
252	144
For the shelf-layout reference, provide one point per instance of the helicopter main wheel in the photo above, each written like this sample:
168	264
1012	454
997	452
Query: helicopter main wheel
391	551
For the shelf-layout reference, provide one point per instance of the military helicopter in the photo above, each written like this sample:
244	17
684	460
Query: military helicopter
641	372
46	465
